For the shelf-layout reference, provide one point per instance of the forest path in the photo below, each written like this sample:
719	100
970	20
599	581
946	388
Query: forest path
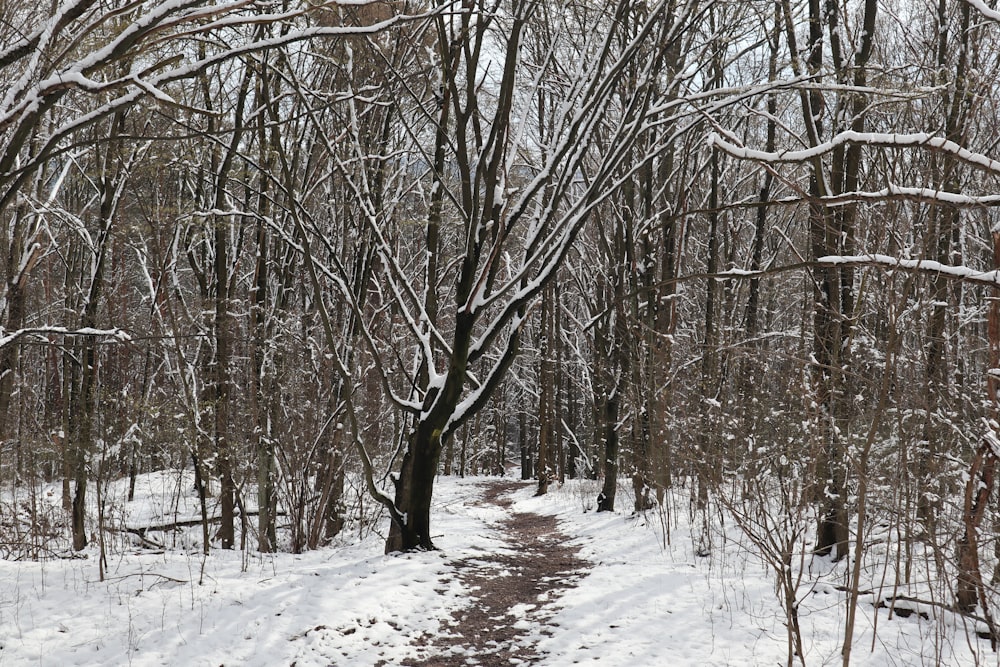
512	593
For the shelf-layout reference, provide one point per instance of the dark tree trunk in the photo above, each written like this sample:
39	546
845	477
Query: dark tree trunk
970	591
332	496
262	435
546	396
414	489
86	408
9	354
223	342
940	245
525	447
20	256
606	498
710	456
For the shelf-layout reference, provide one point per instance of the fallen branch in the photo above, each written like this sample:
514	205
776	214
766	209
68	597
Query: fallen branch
177	525
911	607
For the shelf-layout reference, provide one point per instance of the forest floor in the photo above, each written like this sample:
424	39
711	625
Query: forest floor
516	580
504	589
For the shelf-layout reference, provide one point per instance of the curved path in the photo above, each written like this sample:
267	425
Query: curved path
511	593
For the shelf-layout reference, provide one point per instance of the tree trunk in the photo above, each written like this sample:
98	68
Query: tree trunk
414	489
220	403
86	408
970	591
710	457
20	258
546	395
525	447
606	498
943	227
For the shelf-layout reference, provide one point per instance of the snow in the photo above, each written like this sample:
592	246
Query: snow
985	10
348	604
739	273
893	191
647	603
892	140
648	597
8	337
958	272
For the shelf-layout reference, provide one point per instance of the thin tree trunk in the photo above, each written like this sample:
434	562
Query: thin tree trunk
546	393
525	447
969	590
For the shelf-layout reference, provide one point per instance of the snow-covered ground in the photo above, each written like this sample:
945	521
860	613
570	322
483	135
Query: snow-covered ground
647	600
650	600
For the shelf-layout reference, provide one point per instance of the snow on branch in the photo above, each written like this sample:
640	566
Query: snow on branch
888	140
25	97
898	192
985	10
924	265
9	338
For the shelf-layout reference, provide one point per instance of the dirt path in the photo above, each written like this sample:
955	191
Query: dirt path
510	593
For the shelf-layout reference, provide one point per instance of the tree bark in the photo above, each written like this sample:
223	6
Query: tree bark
606	498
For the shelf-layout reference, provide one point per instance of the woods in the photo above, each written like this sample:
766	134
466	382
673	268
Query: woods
317	254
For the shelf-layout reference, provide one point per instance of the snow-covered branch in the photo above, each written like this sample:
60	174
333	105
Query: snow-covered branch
11	337
882	139
985	10
903	193
922	265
